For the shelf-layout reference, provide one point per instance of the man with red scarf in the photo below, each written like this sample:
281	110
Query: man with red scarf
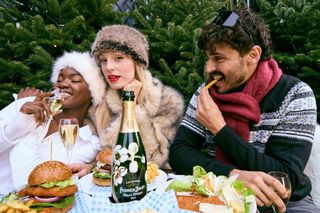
254	120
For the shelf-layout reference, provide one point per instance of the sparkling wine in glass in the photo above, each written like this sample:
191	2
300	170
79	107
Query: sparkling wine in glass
69	129
284	180
55	102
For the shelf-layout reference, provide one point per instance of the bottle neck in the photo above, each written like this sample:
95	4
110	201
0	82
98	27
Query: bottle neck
129	121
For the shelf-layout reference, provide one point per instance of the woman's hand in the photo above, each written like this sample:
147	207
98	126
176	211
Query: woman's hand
80	169
267	189
135	86
39	108
27	92
208	113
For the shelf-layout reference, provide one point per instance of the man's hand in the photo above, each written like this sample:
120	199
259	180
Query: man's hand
208	113
135	86
39	108
27	92
80	169
267	189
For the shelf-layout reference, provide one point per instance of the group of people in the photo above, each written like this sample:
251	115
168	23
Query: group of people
254	120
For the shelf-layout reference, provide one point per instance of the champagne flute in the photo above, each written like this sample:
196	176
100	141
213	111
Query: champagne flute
55	102
284	180
68	129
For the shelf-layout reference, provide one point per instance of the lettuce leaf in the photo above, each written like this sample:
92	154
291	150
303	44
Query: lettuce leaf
58	204
199	172
179	185
241	188
245	192
101	174
62	184
11	196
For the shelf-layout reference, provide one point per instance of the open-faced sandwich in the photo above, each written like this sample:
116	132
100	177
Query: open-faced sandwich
206	192
51	187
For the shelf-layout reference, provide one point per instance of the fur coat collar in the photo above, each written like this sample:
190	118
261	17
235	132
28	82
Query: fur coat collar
158	115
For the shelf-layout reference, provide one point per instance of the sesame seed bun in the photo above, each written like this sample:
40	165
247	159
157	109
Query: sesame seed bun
105	156
49	171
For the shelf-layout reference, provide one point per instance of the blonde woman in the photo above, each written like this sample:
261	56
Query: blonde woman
122	54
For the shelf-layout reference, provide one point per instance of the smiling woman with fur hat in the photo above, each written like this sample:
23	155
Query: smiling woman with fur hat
28	137
122	54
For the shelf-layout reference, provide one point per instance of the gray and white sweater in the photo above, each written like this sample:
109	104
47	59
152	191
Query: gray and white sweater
282	141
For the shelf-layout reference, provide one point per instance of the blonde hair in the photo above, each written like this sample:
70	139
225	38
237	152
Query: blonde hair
140	76
103	116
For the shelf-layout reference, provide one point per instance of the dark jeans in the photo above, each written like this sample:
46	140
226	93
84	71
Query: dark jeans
305	205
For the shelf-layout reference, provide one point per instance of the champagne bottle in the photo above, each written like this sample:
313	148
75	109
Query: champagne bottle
129	160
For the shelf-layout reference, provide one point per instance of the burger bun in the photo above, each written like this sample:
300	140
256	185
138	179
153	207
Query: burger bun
105	156
49	171
101	181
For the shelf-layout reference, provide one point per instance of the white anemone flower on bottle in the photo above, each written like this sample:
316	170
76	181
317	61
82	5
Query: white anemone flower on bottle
133	149
121	154
118	175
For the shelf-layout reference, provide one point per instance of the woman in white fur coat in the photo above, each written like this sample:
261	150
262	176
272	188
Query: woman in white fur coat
28	137
122	54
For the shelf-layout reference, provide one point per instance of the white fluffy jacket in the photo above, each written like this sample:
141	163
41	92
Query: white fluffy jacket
158	115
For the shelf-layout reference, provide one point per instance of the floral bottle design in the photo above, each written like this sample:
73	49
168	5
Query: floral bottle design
129	161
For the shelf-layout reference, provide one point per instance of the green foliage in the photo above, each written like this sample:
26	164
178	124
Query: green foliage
34	32
295	30
172	29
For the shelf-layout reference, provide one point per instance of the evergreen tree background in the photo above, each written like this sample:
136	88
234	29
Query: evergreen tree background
34	32
295	30
173	29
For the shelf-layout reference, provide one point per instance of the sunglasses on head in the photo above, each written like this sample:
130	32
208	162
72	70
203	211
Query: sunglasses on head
229	18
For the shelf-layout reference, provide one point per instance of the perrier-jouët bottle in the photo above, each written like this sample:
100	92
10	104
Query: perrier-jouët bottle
129	160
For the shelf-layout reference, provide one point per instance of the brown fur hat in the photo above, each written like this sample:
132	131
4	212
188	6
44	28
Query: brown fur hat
121	38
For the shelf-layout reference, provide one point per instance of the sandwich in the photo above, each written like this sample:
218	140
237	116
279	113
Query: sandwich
102	172
206	192
51	187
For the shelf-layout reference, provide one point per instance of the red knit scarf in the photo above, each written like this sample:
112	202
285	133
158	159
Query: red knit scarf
240	109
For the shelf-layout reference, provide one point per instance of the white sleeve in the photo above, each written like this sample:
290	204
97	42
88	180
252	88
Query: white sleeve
14	124
24	157
88	146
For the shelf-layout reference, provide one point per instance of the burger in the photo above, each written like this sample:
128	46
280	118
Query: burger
102	172
51	186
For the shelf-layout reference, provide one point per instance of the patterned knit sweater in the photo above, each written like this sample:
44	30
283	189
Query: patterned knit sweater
281	141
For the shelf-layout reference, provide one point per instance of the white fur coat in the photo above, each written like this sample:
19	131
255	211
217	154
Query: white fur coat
158	115
313	168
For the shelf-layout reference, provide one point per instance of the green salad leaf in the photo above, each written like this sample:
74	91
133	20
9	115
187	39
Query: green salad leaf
208	184
101	174
244	191
180	185
58	204
199	172
11	196
62	184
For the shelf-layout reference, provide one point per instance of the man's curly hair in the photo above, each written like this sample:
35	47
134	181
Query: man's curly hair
236	37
